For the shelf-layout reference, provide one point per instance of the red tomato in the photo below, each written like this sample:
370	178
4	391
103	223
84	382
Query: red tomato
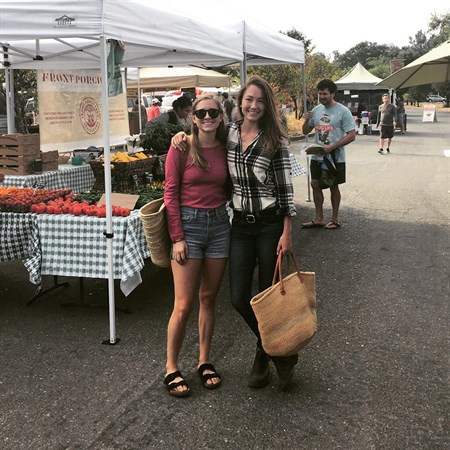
125	212
101	212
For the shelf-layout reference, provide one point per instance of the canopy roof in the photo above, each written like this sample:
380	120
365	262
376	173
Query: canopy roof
65	34
359	78
263	46
433	67
161	77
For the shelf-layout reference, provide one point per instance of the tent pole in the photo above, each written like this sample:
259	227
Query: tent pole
244	59
109	231
305	106
139	100
9	91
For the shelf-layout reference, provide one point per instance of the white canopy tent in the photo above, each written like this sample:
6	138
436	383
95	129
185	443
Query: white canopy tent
162	77
63	34
359	78
261	46
36	34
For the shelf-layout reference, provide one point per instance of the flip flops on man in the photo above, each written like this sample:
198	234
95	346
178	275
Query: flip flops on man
331	225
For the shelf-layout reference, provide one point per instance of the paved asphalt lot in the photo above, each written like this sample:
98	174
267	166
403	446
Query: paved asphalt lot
376	376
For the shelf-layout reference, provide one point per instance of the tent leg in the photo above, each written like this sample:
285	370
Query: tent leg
109	231
305	106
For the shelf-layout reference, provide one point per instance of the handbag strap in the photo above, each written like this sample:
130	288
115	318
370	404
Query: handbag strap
279	270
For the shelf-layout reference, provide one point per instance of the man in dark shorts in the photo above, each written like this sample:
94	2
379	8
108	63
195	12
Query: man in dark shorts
386	118
334	128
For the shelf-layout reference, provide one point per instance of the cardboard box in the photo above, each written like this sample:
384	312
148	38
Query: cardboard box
19	144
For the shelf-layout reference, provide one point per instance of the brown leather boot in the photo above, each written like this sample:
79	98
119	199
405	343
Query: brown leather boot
285	369
260	374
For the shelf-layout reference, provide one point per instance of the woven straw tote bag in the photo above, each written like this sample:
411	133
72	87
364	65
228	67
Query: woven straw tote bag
286	311
154	221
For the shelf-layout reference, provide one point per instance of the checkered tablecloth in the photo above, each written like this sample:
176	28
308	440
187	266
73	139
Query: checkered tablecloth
296	168
76	178
74	246
19	237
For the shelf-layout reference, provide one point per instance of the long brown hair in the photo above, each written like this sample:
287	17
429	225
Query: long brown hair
221	133
271	122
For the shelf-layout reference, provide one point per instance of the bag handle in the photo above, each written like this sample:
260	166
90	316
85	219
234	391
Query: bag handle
279	270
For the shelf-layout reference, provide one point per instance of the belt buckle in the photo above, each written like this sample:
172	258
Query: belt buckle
250	218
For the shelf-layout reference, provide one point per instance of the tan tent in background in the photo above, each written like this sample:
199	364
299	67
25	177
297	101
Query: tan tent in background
433	67
162	77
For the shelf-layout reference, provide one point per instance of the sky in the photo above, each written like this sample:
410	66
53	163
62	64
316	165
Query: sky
330	24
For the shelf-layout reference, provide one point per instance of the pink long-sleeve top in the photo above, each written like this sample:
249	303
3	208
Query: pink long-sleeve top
199	188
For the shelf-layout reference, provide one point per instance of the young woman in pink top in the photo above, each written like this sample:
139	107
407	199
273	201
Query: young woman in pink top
199	228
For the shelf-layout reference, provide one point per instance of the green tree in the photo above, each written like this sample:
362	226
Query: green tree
366	53
25	87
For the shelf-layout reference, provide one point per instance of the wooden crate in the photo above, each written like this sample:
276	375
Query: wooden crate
50	165
19	144
26	169
7	160
49	156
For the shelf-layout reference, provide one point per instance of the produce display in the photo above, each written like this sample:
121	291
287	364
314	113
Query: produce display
151	191
124	157
158	135
62	201
13	199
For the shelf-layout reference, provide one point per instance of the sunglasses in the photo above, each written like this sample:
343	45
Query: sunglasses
212	112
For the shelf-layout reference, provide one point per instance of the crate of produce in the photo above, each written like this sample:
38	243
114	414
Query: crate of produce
19	144
126	177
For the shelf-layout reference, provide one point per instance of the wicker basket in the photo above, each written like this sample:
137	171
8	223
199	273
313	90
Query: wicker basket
154	221
126	177
63	158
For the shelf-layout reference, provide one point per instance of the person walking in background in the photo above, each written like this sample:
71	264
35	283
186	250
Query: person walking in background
154	110
199	228
400	114
263	207
143	112
227	106
386	118
334	129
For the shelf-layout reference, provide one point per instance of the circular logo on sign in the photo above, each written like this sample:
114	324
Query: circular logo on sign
90	115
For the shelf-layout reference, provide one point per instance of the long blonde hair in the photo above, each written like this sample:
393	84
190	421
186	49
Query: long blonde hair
195	149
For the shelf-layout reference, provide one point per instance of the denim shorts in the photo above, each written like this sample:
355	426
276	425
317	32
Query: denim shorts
206	232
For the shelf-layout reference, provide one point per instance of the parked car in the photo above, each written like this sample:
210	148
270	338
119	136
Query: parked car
435	98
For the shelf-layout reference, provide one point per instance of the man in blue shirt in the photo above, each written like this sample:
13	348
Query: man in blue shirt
334	128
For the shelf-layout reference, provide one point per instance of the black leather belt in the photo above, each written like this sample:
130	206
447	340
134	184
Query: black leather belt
243	216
